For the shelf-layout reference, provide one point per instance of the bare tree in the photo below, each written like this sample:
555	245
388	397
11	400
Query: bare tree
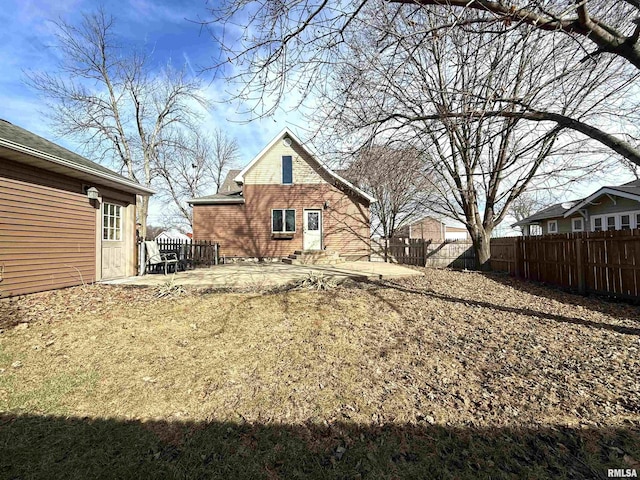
107	96
531	202
396	177
195	165
611	26
280	48
154	231
418	94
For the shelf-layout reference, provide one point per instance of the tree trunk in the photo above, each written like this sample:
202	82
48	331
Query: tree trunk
143	211
482	247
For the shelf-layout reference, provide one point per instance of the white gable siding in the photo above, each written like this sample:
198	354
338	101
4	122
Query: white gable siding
268	170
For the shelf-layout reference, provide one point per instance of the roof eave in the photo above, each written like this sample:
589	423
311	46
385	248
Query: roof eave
130	186
214	201
599	193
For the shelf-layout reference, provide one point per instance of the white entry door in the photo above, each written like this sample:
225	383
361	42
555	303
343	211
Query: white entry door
113	251
312	231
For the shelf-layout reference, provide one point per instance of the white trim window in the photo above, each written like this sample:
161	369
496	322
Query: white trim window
625	221
596	224
283	221
577	224
552	226
287	170
615	221
111	222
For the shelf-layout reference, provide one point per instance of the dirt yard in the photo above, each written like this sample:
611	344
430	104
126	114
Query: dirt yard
461	375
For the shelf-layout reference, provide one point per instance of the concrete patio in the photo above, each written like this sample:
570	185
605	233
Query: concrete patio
242	275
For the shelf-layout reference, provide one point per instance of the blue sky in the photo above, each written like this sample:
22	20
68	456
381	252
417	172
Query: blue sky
165	27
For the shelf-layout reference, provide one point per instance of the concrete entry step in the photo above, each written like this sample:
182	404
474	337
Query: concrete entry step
313	257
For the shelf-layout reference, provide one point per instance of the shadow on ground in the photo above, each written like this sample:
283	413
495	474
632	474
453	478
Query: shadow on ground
614	308
52	447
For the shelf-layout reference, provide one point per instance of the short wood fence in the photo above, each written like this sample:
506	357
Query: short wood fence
200	253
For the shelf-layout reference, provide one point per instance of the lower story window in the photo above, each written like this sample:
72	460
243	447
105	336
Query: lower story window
111	222
552	226
283	221
616	221
577	224
625	222
597	224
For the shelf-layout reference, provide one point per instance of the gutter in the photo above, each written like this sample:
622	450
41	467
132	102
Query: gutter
136	187
214	201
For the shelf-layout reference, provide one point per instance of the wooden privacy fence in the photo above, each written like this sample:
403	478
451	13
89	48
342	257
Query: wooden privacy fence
420	252
605	263
190	253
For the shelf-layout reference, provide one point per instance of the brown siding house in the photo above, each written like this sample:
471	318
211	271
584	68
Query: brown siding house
52	235
429	228
285	201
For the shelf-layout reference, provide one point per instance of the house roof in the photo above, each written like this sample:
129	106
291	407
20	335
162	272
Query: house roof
288	133
230	192
554	211
229	185
630	190
221	198
22	146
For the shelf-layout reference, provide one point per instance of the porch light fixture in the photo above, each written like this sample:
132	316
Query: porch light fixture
327	204
92	193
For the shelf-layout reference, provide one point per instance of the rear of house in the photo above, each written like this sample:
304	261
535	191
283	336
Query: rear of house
284	201
64	220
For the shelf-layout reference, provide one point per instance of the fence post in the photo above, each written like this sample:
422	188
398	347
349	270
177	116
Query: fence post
582	281
518	258
142	261
406	249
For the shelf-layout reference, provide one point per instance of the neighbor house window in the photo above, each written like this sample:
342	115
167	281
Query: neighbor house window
535	230
597	224
611	223
283	221
287	169
552	226
625	222
637	220
577	224
111	222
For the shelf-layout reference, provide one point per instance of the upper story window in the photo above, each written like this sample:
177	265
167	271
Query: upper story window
287	169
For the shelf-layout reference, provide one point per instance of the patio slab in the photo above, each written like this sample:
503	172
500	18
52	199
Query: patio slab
270	274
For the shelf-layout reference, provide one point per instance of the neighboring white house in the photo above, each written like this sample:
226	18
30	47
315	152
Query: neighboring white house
173	234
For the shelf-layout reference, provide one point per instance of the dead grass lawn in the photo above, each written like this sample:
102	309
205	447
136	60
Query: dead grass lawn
447	356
